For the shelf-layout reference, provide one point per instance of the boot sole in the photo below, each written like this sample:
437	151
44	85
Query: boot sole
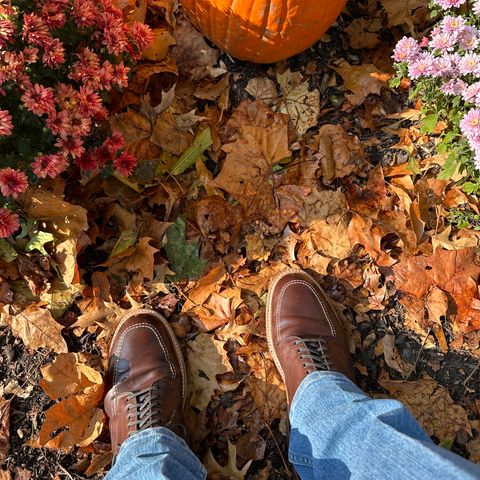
173	338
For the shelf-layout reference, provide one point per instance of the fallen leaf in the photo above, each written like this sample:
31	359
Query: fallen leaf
361	80
402	12
431	405
37	328
81	389
167	134
4	429
363	32
162	41
193	153
166	8
206	358
259	282
299	103
262	88
247	170
230	470
392	356
339	154
183	254
142	259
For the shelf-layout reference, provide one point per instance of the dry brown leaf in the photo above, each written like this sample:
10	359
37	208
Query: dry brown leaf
37	328
4	429
259	282
162	41
363	32
267	387
262	88
168	136
166	8
230	470
401	12
340	154
76	414
207	285
473	447
206	358
132	125
247	170
454	271
392	356
431	405
194	57
361	80
141	260
299	103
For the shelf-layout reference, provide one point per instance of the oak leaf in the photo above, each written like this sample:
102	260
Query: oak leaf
230	470
77	413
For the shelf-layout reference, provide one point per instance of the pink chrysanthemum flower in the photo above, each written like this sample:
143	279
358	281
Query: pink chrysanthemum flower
84	13
406	50
452	24
115	40
52	15
455	86
476	7
142	35
35	30
443	41
441	67
39	100
472	94
106	75
470	124
54	53
469	64
49	165
71	146
114	143
80	125
102	156
89	101
125	163
59	123
120	75
422	66
468	38
6	124
449	3
12	182
9	223
86	162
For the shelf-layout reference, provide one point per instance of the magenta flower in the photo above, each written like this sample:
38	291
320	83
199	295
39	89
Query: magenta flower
455	86
468	38
443	41
49	165
39	100
125	164
472	94
451	24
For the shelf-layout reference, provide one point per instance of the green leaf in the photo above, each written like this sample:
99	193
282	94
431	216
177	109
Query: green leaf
7	252
449	168
38	240
126	240
429	123
470	187
395	82
190	156
182	254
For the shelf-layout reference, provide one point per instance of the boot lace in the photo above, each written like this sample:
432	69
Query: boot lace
144	409
314	353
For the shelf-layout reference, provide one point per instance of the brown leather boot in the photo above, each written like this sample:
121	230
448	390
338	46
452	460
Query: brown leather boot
146	373
303	331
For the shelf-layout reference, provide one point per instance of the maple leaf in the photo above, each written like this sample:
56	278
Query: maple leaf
81	389
247	170
183	254
454	271
361	80
301	104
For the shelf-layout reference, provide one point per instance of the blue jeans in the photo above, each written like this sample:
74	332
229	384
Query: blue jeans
337	433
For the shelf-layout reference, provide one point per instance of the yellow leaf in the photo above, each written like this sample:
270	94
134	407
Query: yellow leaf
37	328
162	41
230	470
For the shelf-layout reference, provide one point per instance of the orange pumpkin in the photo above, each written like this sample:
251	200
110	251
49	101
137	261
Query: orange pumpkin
263	31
